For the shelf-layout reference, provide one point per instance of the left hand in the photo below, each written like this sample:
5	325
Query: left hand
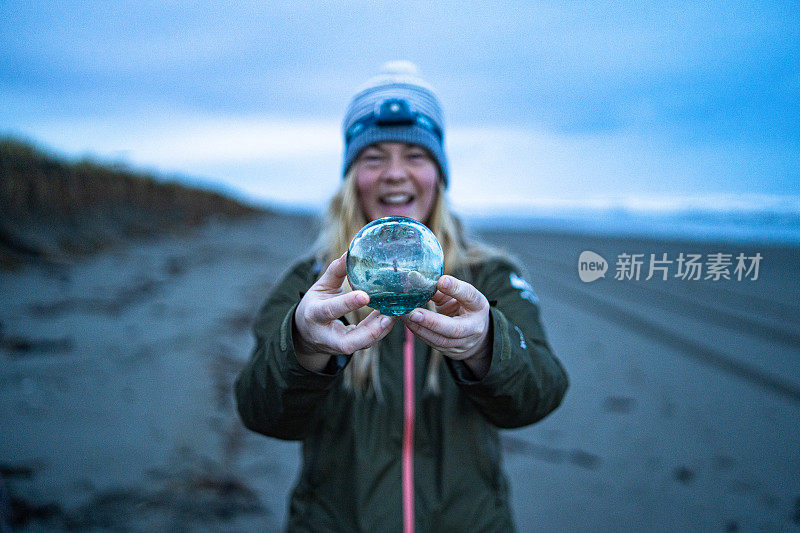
459	328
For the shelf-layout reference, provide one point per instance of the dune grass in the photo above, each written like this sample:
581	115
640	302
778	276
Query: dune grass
51	207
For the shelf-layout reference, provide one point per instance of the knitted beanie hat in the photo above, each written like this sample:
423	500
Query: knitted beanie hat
395	105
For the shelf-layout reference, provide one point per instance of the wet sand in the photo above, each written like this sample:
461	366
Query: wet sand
685	395
117	408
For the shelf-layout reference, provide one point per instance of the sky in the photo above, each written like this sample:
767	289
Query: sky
546	103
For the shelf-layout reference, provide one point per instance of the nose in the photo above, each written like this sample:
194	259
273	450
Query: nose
396	169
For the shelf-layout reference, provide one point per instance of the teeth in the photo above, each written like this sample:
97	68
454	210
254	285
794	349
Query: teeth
396	198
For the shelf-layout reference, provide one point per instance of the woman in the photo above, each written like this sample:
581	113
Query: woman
327	370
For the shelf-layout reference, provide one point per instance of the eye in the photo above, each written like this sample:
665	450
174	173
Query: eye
372	158
416	155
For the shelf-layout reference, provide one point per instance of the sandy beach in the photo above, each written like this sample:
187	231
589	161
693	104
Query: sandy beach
117	411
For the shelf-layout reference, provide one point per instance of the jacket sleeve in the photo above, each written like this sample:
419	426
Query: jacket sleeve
525	381
275	395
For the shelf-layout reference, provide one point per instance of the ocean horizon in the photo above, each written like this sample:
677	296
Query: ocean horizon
743	219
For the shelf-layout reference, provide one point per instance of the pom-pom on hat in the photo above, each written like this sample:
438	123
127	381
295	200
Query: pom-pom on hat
396	105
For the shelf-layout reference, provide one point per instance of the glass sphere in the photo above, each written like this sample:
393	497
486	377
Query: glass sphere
397	261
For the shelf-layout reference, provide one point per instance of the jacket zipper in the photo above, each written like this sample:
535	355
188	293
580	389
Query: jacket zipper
408	433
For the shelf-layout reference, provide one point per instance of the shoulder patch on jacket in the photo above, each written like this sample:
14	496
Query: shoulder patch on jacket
522	343
526	291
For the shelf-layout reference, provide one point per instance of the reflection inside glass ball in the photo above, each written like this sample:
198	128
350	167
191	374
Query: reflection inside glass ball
397	261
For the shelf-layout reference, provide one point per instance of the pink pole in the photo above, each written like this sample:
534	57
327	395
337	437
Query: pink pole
408	433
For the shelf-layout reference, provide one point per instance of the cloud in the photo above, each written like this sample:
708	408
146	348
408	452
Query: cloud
543	99
217	140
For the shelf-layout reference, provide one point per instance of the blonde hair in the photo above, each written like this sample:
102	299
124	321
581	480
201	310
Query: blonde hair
343	219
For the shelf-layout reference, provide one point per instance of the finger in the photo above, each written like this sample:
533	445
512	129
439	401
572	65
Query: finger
446	305
431	338
330	309
341	329
470	297
446	326
367	333
450	308
440	298
370	317
334	275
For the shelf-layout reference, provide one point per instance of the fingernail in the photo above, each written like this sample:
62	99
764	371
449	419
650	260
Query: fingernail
385	321
362	299
416	316
445	282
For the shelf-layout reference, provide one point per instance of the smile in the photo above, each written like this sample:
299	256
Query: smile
396	199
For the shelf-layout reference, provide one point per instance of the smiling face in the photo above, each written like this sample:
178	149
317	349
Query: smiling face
396	179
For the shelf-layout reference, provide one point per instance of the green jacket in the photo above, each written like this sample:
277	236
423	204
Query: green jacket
351	474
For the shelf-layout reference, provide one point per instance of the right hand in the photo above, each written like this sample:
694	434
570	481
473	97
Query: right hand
320	333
